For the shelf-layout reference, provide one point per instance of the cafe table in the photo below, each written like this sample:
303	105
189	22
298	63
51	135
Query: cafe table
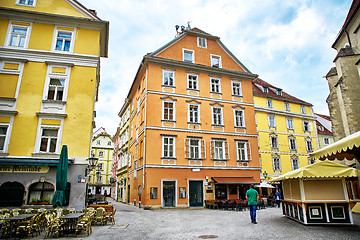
16	219
70	221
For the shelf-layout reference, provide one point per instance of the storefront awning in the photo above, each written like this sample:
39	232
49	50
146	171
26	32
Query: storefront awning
30	161
234	180
347	147
322	169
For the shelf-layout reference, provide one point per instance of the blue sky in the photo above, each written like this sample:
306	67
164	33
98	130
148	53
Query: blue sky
287	43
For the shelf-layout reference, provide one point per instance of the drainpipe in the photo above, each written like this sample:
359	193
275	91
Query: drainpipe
144	156
348	37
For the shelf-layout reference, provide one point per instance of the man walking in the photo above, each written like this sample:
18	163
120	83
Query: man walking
277	198
252	196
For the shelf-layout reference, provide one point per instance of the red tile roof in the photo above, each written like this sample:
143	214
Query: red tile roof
271	94
325	131
323	116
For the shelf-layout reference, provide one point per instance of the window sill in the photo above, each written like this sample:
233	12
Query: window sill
171	158
54	101
246	161
168	86
194	123
240	96
4	154
196	159
192	89
172	121
46	154
242	127
215	125
222	159
216	93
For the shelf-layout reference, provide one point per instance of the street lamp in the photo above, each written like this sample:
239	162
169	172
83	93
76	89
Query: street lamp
92	162
265	174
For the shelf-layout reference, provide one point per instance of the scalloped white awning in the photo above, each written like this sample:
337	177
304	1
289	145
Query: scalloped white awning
347	147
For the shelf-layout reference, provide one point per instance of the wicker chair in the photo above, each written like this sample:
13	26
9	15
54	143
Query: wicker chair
100	215
84	224
111	216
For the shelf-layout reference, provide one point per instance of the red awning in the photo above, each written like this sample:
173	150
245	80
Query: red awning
234	180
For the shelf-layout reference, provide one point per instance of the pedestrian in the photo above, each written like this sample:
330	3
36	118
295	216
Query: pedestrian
277	198
252	196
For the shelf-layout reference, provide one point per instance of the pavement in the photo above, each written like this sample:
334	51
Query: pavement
199	223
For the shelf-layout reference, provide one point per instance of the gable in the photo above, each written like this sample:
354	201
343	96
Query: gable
202	55
71	8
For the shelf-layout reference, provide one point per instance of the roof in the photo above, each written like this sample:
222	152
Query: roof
324	131
257	83
344	148
322	169
353	9
323	116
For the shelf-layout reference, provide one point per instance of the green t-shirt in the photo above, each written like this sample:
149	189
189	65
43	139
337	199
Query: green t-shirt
252	195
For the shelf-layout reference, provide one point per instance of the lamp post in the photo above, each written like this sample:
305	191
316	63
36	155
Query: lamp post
265	174
92	162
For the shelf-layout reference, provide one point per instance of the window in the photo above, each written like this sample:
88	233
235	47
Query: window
168	111
201	42
326	141
194	116
57	83
295	163
215	85
292	143
311	161
309	146
278	92
289	123
274	142
188	56
41	191
101	154
302	109
63	41
194	148
3	132
269	103
109	143
239	118
153	193
99	166
193	82
49	140
217	116
26	2
18	36
287	106
168	78
215	61
306	126
56	89
265	89
219	149
272	121
97	142
98	177
243	151
168	150
276	164
236	88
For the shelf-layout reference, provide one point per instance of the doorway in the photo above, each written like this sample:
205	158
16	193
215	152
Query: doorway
169	193
11	194
196	198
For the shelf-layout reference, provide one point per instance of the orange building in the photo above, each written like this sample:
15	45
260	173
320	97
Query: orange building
192	126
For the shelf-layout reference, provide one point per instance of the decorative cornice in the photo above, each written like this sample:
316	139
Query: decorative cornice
52	115
201	167
284	113
8	113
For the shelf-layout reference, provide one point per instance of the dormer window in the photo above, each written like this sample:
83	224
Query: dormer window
188	56
215	61
265	89
29	3
278	92
201	42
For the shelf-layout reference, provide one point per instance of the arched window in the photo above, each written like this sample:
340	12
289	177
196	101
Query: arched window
41	192
11	194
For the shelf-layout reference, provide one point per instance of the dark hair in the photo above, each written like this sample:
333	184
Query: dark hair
251	185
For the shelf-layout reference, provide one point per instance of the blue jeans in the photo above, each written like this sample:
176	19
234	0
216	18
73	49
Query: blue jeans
253	212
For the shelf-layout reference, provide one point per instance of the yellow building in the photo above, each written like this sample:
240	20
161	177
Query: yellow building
102	147
49	77
287	129
192	125
121	156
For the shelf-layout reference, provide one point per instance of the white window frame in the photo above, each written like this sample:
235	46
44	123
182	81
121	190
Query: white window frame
269	103
302	109
290	144
196	81
290	123
26	3
190	113
6	137
309	145
287	106
11	26
130	158
217	57
72	40
219	116
164	75
189	148
217	86
64	76
306	126
295	163
222	152
327	142
276	163
271	123
243	149
192	55
236	90
164	102
272	145
58	142
265	89
201	42
101	154
166	147
236	118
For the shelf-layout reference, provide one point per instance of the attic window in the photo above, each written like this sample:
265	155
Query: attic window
201	42
29	3
265	89
278	92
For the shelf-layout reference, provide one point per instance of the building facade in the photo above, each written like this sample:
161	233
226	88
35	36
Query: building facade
49	78
102	147
343	79
192	125
324	130
286	127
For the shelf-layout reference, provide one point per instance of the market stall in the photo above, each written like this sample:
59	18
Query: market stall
318	193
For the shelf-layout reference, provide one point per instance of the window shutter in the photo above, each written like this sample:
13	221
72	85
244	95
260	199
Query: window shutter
203	149
187	143
248	148
226	143
212	149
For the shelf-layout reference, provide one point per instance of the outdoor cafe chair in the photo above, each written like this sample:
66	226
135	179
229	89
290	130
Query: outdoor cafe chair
5	229
100	215
84	224
28	227
5	210
71	209
29	210
54	225
111	216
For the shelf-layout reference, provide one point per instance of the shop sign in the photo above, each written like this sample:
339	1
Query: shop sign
24	169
